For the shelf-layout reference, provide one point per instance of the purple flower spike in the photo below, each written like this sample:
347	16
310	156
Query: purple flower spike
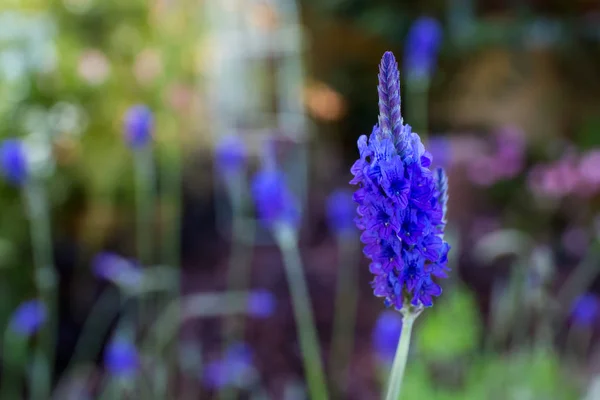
139	124
261	303
585	309
13	161
386	335
401	209
121	358
235	369
341	210
274	201
422	46
390	119
230	155
29	317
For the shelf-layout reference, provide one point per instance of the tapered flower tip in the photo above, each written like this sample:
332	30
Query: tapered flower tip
230	154
585	309
29	317
388	59
275	203
116	269
13	161
261	303
234	369
121	357
139	124
386	335
341	210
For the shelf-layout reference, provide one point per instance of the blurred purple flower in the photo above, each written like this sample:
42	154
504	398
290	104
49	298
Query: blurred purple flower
121	357
13	161
589	168
386	335
482	170
235	369
230	155
585	309
510	152
422	46
556	180
575	240
274	201
117	269
441	150
139	124
29	317
341	210
261	303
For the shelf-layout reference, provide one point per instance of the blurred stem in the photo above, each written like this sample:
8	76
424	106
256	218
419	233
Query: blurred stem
345	310
243	231
307	334
14	357
418	106
45	277
399	365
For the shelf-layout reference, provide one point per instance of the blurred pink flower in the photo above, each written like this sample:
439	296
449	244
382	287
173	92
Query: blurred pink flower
93	67
589	168
555	180
483	171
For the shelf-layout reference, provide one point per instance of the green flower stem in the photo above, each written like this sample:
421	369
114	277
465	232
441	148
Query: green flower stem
45	276
307	334
243	231
345	311
14	354
417	96
399	365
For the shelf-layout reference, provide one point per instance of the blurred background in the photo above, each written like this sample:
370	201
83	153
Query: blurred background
141	124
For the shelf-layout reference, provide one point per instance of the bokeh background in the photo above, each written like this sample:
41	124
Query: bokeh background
505	95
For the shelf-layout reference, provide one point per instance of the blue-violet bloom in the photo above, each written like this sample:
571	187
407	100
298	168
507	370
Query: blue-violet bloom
422	47
230	155
275	203
139	124
401	203
121	357
585	309
261	303
235	369
386	335
116	269
341	210
13	161
29	317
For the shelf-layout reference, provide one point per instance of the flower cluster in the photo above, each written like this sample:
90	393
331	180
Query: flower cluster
401	203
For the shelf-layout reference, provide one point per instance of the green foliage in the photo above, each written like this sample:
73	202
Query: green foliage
452	328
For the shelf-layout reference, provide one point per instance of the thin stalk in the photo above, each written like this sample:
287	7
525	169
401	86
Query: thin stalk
14	354
41	240
342	342
418	91
307	334
399	365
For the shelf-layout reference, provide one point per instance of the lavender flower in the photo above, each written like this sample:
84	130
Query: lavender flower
117	269
401	204
340	212
139	124
29	317
235	369
422	46
261	303
585	309
13	161
230	155
386	335
274	201
121	357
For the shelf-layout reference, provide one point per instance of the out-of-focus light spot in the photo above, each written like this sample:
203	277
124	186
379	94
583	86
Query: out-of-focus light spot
67	119
148	66
264	17
93	67
179	96
78	6
323	102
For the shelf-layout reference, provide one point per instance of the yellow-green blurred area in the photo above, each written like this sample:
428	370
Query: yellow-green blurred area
524	230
